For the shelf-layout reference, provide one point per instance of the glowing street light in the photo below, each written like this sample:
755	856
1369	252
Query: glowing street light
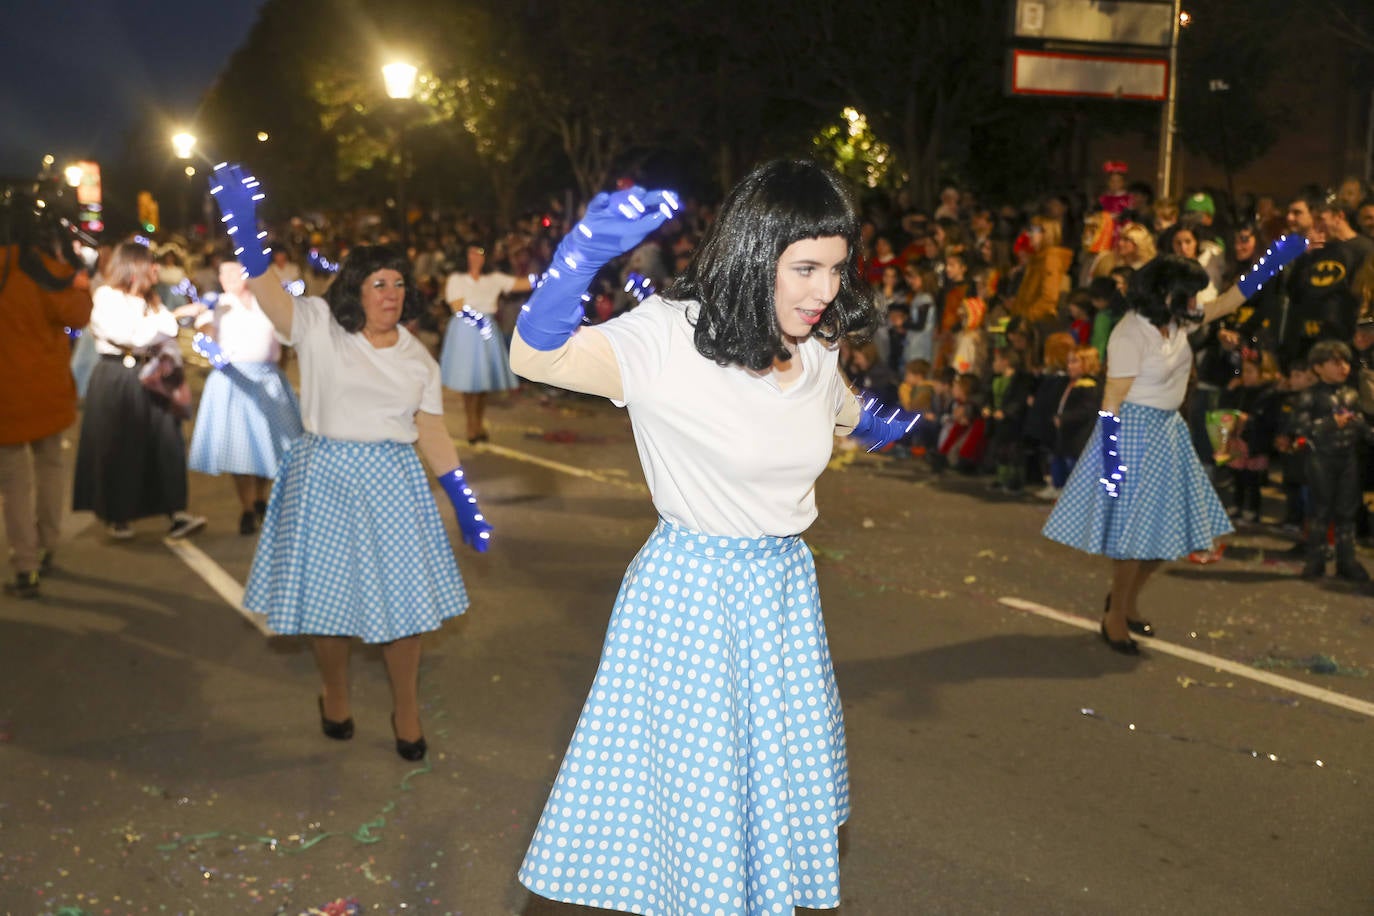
73	174
190	171
182	144
262	136
399	77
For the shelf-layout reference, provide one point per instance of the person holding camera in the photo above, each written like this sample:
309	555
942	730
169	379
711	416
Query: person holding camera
131	461
40	297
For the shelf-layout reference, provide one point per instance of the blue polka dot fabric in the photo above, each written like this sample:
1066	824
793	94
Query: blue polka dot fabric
707	773
248	416
353	545
1167	507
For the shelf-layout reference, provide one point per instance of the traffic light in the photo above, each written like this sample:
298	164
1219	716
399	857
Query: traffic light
148	211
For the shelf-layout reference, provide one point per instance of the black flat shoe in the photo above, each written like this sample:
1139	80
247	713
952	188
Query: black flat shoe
409	750
1126	646
339	731
1140	627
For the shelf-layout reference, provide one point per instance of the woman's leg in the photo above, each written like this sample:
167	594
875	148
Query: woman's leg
1124	573
474	406
331	657
246	487
402	659
1144	569
262	489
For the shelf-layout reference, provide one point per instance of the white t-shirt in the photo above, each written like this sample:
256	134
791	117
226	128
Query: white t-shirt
119	322
725	451
480	294
1159	364
242	331
355	391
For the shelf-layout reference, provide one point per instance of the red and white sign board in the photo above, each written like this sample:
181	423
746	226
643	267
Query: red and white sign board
1098	76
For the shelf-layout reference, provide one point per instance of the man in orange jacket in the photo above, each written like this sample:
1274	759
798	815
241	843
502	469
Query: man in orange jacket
39	298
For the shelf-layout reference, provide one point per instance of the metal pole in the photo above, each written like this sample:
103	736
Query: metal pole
1168	127
401	208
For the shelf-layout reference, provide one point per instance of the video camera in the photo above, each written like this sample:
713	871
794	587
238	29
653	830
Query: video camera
41	214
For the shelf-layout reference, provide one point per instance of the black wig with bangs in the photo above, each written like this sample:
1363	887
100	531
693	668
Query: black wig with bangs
733	274
345	294
1161	290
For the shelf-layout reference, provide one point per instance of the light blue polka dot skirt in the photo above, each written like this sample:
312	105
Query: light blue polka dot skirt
247	417
707	774
353	545
1167	507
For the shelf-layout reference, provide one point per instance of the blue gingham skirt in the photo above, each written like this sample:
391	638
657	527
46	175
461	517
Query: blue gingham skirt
472	362
1167	507
707	773
247	417
353	545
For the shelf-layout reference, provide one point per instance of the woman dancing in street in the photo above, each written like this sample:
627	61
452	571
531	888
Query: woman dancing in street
707	772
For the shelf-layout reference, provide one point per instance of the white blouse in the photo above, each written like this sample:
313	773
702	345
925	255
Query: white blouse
1159	364
122	322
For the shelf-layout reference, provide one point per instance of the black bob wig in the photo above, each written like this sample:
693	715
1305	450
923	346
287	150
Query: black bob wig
345	294
1162	288
733	274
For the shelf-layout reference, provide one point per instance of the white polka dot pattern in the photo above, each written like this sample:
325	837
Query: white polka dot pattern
353	545
248	416
1167	507
707	773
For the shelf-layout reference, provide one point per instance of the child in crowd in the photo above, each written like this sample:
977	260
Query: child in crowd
1328	426
1081	316
1253	397
1011	393
1103	296
1074	417
868	373
1044	404
929	429
921	305
964	436
970	351
917	395
1292	462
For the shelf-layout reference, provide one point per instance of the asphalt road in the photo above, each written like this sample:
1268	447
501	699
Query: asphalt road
159	755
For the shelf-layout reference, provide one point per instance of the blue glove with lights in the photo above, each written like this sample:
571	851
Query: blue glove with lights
477	320
878	428
614	224
1113	471
473	525
1278	256
639	286
237	195
209	348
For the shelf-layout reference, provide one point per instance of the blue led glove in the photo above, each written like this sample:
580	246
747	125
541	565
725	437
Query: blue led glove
639	286
1113	471
210	349
1278	256
477	320
614	224
878	431
237	195
475	528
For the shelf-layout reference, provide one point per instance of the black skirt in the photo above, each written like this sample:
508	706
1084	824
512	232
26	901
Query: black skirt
131	460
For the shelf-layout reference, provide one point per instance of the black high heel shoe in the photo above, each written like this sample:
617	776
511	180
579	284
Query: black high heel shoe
339	731
1125	646
1138	627
409	750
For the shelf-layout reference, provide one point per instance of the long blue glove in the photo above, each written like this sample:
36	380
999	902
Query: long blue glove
474	527
237	195
1275	258
878	431
1113	471
209	348
614	224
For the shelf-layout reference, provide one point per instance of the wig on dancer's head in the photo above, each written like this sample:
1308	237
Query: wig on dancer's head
733	273
1162	289
345	294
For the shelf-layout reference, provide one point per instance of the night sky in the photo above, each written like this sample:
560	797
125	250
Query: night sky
76	74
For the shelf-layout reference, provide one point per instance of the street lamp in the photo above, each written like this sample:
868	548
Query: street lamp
399	78
73	174
182	144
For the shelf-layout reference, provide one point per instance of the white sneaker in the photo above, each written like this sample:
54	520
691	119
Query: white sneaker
1050	492
120	531
184	524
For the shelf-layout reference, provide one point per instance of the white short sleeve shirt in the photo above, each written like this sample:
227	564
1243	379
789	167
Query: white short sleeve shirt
481	294
1159	364
352	390
725	450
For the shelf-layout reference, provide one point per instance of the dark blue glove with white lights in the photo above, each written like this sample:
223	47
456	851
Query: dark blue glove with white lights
613	224
878	427
1113	471
209	348
237	195
475	529
1275	258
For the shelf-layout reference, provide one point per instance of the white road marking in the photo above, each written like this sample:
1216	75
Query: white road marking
569	469
217	578
1156	644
